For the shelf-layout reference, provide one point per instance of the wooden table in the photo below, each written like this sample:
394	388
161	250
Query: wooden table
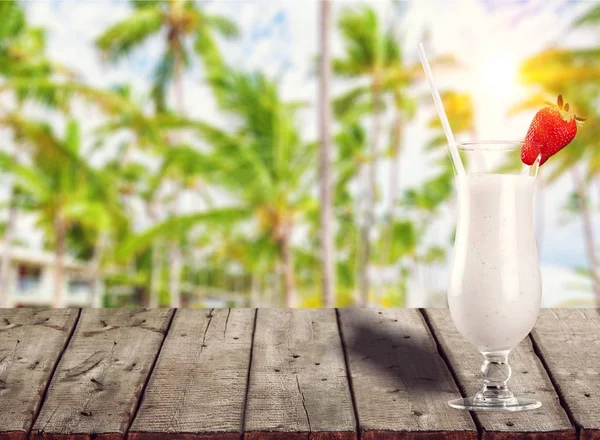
283	374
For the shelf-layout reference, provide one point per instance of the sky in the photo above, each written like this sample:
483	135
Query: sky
490	38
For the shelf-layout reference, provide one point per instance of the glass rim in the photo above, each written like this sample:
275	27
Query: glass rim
490	145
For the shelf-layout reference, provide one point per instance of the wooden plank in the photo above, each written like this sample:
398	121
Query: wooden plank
31	342
97	385
529	379
568	341
400	382
198	388
298	383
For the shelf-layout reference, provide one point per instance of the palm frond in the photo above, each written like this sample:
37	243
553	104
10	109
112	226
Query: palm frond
391	52
73	136
177	226
222	25
206	47
163	74
139	4
346	103
64	91
237	159
591	16
27	178
360	32
565	160
13	19
533	101
121	38
553	68
54	155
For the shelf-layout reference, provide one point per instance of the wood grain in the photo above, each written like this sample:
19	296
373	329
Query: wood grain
97	385
568	340
298	382
529	379
31	342
198	388
400	382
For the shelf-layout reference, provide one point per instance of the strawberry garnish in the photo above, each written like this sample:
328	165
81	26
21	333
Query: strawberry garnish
552	129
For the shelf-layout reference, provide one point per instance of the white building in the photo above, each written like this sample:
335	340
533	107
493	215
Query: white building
31	280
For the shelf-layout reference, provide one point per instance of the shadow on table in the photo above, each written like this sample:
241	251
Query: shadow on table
405	360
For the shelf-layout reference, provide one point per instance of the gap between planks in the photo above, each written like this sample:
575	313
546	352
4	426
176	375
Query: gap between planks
56	364
561	399
348	375
444	357
243	433
151	370
536	352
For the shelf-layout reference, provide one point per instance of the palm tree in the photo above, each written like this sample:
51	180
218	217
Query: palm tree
274	162
58	185
262	163
186	27
370	54
136	182
591	17
351	146
426	202
22	56
575	74
150	134
184	24
324	115
374	58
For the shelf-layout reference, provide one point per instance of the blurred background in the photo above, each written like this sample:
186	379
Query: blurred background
277	153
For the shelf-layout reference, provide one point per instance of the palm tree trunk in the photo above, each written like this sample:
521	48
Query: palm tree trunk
60	234
588	231
254	290
156	260
394	183
365	251
395	166
175	256
6	255
175	274
11	227
97	270
363	266
376	127
289	286
327	245
598	191
155	274
178	76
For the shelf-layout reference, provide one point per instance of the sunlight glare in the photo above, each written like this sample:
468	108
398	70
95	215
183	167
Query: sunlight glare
495	91
497	75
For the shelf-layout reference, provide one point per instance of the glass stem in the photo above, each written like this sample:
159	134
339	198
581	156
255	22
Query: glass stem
496	373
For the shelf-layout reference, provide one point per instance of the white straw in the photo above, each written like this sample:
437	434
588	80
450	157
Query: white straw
441	112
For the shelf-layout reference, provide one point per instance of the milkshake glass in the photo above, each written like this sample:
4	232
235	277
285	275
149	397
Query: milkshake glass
495	286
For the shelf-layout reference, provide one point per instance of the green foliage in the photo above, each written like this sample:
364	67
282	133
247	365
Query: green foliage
431	194
255	174
400	242
123	37
591	16
366	46
183	24
178	226
59	182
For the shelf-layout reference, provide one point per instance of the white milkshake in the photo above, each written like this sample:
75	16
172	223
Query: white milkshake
495	284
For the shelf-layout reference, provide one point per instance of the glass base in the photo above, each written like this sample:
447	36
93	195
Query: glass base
475	404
